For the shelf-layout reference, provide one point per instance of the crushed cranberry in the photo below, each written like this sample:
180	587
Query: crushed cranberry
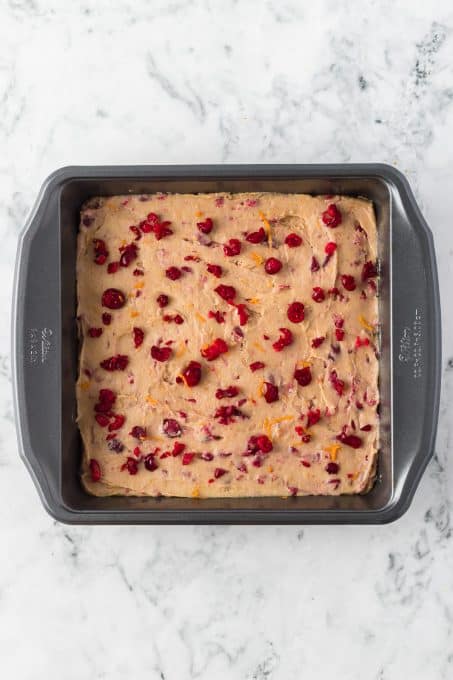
314	266
207	456
206	226
102	419
192	373
215	270
227	293
178	448
162	300
293	490
256	236
219	472
258	443
214	350
339	334
332	468
316	342
100	251
106	399
173	273
336	383
303	376
113	298
160	353
272	265
138	432
334	292
366	428
369	271
138	336
313	416
227	414
318	294
115	445
348	282
285	339
136	231
94	332
187	458
228	392
153	224
350	440
171	427
331	216
218	316
131	465
128	254
293	240
95	470
256	365
305	463
138	272
232	247
258	462
243	314
106	318
118	362
113	267
270	392
242	467
361	342
178	319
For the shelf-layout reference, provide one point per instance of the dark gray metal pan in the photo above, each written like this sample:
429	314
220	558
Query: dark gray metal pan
45	343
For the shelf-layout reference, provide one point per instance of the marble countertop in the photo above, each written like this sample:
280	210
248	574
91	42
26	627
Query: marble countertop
209	81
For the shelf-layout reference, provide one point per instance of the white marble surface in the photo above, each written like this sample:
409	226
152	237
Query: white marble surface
217	81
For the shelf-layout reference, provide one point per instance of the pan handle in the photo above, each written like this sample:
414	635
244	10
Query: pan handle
416	341
36	338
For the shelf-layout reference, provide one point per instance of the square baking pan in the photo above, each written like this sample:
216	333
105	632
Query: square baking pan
45	345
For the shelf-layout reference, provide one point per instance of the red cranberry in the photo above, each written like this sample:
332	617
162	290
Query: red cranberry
318	294
160	353
285	339
259	443
138	336
313	416
138	432
256	236
115	445
95	470
316	342
256	365
207	456
192	374
117	422
206	226
136	231
227	414
296	312
330	248
293	240
150	463
173	273
187	458
366	428
314	266
227	293
113	267
243	314
94	332
152	223
131	465
348	281
178	448
369	271
331	216
215	349
100	251
171	427
336	383
350	440
339	334
303	376
233	247
270	392
215	270
102	419
332	468
162	300
219	472
218	316
106	399
228	392
116	363
128	254
106	318
178	319
272	265
113	298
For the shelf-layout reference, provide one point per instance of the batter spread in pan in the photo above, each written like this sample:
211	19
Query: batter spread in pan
228	345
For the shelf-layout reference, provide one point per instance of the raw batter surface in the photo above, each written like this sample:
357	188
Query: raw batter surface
228	345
